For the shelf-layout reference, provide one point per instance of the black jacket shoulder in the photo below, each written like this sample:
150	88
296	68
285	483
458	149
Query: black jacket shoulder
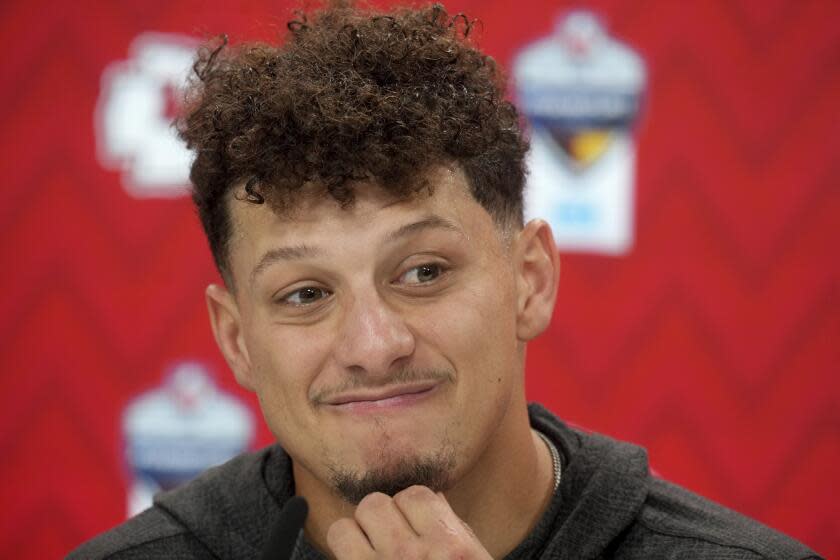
676	523
150	534
223	513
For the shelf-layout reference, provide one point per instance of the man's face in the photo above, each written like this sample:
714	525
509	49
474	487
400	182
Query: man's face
381	335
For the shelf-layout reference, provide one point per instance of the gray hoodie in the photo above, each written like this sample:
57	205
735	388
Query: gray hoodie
608	506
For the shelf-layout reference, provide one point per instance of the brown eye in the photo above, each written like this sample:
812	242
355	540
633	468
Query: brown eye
421	274
305	296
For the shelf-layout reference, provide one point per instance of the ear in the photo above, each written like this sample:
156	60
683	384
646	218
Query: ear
227	328
537	275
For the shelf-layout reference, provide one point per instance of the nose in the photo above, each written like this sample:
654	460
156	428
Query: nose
373	337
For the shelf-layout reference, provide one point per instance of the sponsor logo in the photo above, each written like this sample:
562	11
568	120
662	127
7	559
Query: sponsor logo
174	432
581	92
138	100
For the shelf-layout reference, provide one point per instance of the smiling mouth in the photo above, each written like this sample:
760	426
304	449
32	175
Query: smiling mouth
391	398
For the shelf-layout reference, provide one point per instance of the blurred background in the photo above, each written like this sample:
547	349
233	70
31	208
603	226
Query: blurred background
687	153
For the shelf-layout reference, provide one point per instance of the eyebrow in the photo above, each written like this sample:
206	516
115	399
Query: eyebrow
280	254
298	252
429	222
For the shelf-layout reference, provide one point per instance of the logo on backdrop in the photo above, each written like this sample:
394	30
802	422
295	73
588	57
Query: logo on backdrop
176	431
581	91
137	101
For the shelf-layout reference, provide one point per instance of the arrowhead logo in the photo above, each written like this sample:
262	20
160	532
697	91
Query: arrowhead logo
137	101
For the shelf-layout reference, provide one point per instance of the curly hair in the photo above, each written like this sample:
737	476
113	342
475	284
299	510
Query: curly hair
352	94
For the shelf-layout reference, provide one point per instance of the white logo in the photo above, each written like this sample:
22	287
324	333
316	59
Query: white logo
137	101
581	91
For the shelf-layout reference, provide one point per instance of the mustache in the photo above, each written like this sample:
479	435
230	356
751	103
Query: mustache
405	375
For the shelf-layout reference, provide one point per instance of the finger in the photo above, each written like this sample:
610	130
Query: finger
348	542
384	524
429	514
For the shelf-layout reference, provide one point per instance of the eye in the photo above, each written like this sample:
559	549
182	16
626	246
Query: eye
305	296
422	274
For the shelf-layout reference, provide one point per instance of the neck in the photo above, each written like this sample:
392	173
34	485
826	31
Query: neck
501	497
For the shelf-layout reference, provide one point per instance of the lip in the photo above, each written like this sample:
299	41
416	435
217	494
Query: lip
396	397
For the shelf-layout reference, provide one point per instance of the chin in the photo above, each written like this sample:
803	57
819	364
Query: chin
391	477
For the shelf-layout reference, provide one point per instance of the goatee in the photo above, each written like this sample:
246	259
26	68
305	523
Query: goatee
432	472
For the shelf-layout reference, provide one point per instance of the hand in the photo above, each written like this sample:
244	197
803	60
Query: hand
415	524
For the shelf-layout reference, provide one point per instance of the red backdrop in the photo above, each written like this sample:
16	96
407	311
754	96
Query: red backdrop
714	343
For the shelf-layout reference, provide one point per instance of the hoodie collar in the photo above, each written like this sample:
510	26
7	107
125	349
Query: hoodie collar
603	488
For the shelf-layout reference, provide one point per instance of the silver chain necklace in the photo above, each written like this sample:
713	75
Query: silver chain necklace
555	458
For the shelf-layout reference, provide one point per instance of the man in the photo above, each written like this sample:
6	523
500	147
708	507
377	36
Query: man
361	190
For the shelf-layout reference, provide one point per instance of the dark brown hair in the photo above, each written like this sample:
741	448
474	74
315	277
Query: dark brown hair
351	94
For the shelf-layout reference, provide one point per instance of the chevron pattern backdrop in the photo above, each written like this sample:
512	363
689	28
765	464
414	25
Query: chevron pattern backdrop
714	343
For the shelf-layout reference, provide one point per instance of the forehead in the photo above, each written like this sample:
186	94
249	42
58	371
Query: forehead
317	217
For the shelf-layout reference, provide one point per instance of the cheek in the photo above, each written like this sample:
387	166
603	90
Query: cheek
475	329
286	361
